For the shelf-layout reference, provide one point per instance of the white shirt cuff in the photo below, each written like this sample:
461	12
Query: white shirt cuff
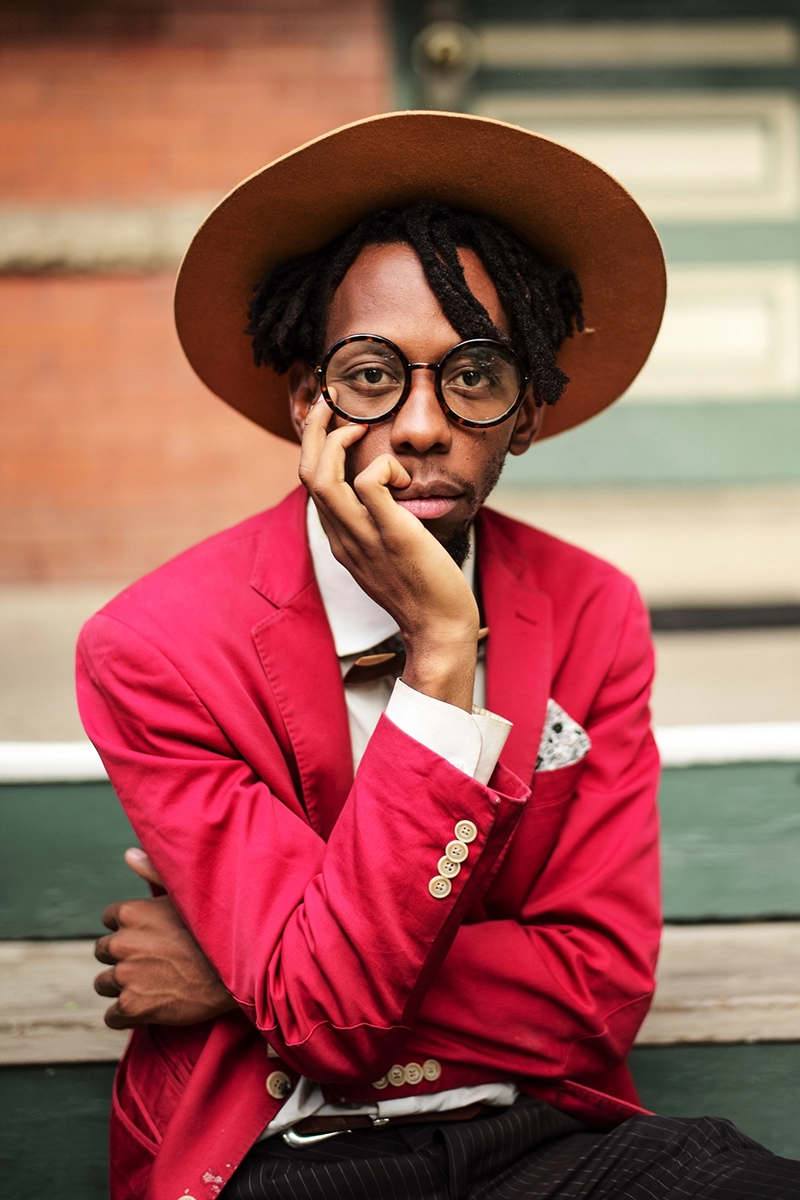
471	742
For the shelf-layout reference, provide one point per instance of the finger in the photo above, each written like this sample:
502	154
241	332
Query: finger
139	862
106	985
372	486
110	916
102	950
315	430
116	1019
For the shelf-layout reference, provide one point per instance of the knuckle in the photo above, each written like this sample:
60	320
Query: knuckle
129	911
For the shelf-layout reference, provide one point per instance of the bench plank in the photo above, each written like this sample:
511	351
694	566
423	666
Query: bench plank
716	983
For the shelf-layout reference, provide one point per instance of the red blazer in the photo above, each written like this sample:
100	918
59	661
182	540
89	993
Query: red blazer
212	690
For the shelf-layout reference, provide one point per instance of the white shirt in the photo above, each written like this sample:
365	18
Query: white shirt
470	742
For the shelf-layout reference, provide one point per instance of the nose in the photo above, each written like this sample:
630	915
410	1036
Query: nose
421	426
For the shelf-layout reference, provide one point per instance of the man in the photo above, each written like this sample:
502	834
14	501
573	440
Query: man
389	752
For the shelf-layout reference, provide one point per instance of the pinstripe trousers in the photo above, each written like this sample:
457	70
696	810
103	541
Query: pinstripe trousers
528	1151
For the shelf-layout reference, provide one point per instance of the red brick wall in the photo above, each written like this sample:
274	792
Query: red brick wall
114	455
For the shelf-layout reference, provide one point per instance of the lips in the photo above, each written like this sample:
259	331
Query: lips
429	502
428	508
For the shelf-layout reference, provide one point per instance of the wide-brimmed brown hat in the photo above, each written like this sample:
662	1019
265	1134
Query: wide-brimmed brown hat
564	206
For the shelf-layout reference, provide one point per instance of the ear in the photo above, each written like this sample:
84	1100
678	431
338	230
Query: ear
527	424
303	391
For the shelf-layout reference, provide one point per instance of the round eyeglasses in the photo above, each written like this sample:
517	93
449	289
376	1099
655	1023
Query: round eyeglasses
478	383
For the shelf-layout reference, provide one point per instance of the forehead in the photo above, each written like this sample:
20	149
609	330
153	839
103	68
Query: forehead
385	291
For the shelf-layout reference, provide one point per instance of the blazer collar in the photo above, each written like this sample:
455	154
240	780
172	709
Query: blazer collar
519	646
296	648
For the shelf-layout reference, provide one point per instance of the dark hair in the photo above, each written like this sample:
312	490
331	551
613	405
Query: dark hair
289	306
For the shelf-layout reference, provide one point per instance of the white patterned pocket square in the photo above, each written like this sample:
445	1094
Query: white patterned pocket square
563	741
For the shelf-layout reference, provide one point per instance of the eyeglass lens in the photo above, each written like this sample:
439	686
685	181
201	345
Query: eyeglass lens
479	381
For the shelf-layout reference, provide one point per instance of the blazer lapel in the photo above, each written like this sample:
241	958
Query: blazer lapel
299	658
519	646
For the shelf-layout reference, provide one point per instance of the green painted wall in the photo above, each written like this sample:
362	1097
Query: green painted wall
54	1144
662	444
731	841
756	1087
61	848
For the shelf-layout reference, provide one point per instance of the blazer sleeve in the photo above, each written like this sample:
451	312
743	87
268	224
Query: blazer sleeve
328	948
561	992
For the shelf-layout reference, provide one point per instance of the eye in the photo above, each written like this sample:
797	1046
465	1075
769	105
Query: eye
470	378
373	374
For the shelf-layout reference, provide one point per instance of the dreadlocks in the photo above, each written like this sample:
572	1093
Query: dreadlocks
289	306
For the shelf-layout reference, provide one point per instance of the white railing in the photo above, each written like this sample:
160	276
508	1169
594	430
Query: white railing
680	746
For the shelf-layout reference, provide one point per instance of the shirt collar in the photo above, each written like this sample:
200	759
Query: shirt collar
357	622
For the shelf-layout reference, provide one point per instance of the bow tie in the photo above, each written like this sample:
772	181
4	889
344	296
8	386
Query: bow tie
387	658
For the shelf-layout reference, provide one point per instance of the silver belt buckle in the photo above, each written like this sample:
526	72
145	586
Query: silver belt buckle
298	1140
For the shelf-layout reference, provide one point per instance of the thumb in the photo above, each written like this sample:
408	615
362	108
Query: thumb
138	861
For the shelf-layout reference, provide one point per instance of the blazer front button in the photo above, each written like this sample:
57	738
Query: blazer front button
279	1085
439	887
396	1076
457	851
447	867
466	831
431	1069
413	1073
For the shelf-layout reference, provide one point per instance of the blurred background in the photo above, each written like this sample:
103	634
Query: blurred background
122	122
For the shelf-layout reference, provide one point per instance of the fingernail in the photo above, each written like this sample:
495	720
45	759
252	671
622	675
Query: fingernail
135	852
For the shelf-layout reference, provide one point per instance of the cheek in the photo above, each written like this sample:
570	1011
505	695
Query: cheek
376	441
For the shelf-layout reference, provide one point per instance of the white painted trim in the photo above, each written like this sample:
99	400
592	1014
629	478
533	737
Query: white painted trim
50	762
679	745
684	155
707	745
604	44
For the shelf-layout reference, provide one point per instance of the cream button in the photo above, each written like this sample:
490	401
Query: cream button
465	831
431	1069
457	851
459	764
413	1073
439	887
447	867
279	1085
381	1083
396	1075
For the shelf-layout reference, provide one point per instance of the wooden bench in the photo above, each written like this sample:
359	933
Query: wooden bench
723	1035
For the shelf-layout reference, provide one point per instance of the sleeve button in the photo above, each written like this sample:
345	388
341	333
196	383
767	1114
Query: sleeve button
396	1075
279	1085
457	851
466	831
413	1073
447	867
431	1069
381	1083
439	887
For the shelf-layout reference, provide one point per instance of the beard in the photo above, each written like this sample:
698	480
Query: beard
458	545
457	542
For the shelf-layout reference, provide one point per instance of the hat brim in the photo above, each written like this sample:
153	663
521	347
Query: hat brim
560	203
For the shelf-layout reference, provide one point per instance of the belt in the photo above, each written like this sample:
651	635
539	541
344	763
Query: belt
319	1129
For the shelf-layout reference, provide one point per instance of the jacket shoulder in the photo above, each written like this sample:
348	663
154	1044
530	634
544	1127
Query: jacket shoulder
210	587
557	566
